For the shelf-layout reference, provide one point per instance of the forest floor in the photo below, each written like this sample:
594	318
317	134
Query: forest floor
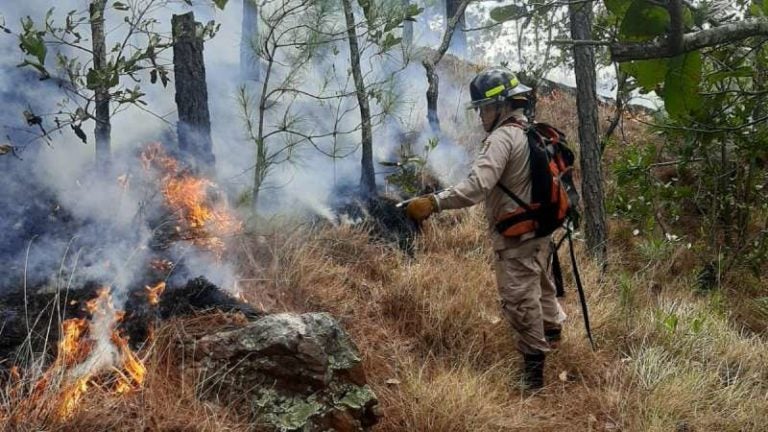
441	358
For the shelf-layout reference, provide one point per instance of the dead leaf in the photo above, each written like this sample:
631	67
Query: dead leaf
563	376
5	149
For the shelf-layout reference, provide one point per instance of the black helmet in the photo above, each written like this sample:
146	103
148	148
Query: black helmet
494	84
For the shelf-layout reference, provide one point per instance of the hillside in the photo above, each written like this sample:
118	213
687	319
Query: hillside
440	357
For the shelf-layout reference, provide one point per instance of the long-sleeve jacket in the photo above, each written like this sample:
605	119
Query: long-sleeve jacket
504	159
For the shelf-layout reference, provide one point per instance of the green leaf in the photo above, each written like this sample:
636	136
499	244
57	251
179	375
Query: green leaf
92	79
643	21
389	41
40	68
508	13
618	7
681	87
220	3
33	44
647	73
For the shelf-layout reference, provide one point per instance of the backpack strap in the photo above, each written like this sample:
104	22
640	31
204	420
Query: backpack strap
512	121
514	197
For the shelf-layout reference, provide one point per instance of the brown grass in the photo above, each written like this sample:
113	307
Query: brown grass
440	357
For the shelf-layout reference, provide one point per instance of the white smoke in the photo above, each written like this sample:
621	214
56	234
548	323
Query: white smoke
112	214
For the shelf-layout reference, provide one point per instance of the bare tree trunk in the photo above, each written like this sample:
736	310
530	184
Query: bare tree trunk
367	177
430	64
586	100
194	127
103	127
249	55
407	28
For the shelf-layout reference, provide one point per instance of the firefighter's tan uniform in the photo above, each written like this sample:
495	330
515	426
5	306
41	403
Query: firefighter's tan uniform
522	264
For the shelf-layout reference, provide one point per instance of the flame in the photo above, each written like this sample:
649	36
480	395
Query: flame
154	292
203	220
70	397
134	370
71	349
81	360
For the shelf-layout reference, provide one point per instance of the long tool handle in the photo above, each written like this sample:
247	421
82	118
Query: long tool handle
580	289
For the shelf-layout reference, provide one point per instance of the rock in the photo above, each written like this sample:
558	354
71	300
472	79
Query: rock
290	372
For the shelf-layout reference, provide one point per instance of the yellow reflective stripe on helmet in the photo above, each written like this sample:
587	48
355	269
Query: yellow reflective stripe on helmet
498	89
494	91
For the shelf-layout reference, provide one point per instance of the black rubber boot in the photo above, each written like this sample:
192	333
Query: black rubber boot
533	374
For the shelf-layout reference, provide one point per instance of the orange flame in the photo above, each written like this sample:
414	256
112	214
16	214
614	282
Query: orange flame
154	292
202	219
71	349
66	380
70	397
134	370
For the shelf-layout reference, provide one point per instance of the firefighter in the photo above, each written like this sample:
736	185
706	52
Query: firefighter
521	263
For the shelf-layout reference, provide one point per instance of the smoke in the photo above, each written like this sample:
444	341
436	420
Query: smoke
60	224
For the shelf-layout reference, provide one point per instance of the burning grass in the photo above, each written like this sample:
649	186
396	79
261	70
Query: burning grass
166	400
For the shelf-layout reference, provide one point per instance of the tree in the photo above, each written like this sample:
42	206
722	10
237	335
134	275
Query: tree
382	18
194	123
103	128
458	41
297	34
709	70
367	177
95	79
589	142
249	42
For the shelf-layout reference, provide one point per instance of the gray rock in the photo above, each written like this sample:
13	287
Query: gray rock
289	372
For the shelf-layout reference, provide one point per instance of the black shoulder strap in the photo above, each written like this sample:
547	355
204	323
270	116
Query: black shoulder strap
515	123
516	198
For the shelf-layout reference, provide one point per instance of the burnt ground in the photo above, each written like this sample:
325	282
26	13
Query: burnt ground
32	319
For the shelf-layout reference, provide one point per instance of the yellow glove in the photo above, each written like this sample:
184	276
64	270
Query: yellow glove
421	208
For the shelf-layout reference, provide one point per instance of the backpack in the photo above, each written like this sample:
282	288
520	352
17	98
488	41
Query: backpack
553	194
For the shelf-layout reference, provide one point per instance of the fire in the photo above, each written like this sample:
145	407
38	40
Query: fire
71	349
154	292
70	397
134	370
203	220
85	359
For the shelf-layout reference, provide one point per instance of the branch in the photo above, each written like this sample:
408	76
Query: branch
435	59
676	30
661	48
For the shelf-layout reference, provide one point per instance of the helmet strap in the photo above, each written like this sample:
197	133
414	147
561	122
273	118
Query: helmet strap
498	116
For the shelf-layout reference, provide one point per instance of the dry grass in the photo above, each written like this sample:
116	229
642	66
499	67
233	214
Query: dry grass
168	400
441	358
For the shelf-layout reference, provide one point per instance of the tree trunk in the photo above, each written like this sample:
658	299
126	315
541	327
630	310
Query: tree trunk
194	127
433	84
586	100
458	43
103	127
367	177
249	39
407	28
